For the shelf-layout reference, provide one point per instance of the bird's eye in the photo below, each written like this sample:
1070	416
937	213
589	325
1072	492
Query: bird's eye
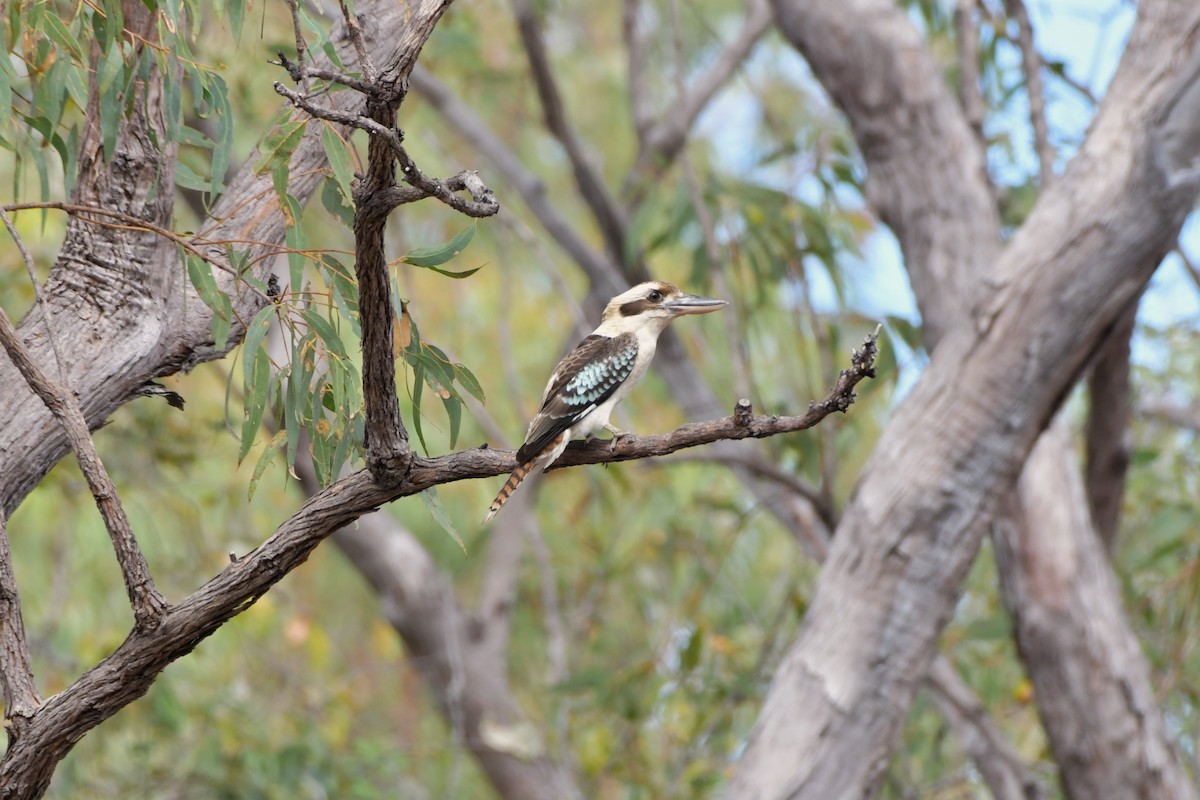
655	296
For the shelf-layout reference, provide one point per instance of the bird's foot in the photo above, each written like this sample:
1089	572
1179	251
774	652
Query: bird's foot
617	435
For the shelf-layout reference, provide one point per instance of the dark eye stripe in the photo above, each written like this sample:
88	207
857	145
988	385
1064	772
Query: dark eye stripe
634	307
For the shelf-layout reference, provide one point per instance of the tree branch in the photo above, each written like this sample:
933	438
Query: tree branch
1003	769
1101	716
955	443
592	189
532	191
1032	64
967	36
483	200
126	674
662	142
148	604
1109	445
16	675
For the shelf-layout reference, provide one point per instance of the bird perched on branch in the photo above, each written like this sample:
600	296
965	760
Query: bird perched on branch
600	372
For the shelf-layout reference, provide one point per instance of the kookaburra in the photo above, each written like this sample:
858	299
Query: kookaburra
600	372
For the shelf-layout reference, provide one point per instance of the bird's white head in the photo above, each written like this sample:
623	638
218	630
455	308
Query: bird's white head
651	306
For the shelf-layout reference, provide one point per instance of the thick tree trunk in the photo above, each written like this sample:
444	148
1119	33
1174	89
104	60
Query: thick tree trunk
839	699
1096	697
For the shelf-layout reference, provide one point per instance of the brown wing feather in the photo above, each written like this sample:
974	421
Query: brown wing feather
564	405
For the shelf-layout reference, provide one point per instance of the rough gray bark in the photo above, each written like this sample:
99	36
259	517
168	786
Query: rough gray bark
120	303
839	699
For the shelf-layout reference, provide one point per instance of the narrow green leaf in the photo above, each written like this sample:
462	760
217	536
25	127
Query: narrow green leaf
291	421
256	334
60	35
187	178
418	388
222	115
268	456
109	110
435	256
468	381
322	456
5	92
111	68
295	238
337	151
202	279
454	412
347	443
440	516
345	290
336	203
258	371
237	13
456	275
319	325
280	144
222	322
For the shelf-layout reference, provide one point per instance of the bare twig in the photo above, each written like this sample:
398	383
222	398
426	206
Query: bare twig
16	675
968	65
27	257
770	471
666	138
360	48
482	203
464	120
299	74
1032	64
607	213
148	605
742	424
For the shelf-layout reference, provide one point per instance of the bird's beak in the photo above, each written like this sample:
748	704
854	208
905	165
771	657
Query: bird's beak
693	304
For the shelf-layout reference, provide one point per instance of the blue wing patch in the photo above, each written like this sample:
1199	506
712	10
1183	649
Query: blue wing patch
585	378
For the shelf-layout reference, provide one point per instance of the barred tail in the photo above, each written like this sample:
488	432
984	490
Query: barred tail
514	480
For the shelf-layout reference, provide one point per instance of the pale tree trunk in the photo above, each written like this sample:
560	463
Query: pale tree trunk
838	702
932	153
1094	692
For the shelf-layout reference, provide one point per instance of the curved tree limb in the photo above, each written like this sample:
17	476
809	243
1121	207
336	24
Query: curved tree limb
127	674
590	182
